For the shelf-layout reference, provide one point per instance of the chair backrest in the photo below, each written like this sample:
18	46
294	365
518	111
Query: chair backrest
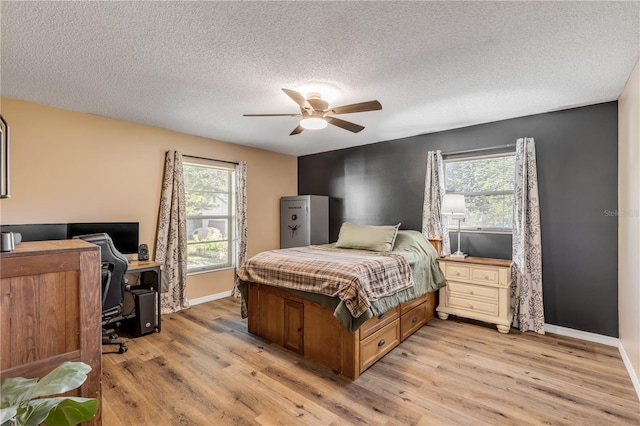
112	259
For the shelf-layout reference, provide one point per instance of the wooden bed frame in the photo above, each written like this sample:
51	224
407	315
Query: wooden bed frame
310	329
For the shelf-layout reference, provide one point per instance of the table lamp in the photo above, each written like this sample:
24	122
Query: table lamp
453	205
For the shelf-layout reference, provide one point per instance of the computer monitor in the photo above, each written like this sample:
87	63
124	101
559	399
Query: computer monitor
125	235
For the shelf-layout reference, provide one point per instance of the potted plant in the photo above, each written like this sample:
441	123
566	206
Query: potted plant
22	402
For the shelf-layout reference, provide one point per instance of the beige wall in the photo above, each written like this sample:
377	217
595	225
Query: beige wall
73	167
629	220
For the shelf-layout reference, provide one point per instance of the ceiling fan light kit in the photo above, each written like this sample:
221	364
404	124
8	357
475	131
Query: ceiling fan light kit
313	123
315	112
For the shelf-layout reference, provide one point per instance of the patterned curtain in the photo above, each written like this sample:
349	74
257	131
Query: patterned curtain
526	267
171	241
434	225
241	222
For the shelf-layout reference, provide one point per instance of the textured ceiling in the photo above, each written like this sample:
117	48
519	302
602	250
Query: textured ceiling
196	67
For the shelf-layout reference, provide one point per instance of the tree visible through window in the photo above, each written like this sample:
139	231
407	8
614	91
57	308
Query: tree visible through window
487	184
209	204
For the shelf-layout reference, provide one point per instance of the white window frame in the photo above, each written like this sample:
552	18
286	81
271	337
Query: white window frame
480	193
230	217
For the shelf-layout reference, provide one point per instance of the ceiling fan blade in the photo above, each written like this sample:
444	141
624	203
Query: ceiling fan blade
359	107
352	127
272	115
299	99
297	130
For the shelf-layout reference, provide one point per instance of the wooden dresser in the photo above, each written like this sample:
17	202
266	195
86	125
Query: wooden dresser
50	311
477	288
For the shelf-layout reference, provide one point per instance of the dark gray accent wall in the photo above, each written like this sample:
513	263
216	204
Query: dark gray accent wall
482	244
577	157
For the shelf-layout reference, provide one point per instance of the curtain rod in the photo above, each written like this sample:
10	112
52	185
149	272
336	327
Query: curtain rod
489	148
210	159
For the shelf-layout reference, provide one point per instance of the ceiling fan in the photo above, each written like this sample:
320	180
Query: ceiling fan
315	112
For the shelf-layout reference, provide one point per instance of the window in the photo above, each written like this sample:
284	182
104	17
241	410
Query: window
487	185
209	198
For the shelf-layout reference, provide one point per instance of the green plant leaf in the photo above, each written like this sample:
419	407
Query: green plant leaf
72	411
7	414
15	390
65	377
24	413
40	411
17	398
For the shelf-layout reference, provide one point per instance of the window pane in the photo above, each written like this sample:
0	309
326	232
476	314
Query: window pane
199	229
489	211
208	197
201	255
483	174
201	203
204	178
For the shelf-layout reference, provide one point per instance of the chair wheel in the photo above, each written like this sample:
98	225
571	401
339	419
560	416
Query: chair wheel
122	349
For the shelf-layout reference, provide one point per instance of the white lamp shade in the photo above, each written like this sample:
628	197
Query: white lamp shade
313	123
453	205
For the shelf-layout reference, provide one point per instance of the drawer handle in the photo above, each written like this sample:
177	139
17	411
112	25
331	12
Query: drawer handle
380	316
486	277
471	292
458	273
414	319
381	342
470	306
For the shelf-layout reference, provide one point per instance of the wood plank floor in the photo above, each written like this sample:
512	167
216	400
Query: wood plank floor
205	369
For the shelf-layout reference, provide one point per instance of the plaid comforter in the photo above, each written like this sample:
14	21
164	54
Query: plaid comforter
356	277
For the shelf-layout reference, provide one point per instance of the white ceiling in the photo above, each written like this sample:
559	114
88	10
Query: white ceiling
196	67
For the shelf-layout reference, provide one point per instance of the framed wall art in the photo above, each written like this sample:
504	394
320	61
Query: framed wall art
4	159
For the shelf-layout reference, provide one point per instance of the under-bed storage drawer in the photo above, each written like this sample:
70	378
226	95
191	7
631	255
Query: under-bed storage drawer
378	344
413	320
407	306
376	323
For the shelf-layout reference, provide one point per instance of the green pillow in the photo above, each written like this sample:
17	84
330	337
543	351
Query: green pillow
367	237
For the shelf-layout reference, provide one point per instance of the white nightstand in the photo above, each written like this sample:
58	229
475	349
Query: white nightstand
477	288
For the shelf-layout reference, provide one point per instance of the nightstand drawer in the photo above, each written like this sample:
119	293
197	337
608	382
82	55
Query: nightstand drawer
474	291
485	275
472	305
459	272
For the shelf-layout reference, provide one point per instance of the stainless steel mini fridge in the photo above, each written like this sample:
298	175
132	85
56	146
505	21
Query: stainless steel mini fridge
304	220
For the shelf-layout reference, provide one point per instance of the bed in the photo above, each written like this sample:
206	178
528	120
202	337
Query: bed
305	299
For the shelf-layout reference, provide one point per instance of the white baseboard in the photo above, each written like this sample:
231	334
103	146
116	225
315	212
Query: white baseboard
582	335
632	373
209	298
598	338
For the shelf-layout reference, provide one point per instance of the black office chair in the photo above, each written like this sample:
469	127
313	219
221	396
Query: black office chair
114	284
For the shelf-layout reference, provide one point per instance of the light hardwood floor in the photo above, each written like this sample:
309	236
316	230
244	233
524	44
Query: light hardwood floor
205	369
